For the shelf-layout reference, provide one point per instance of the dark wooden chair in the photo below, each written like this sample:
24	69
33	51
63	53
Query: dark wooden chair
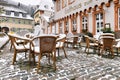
44	46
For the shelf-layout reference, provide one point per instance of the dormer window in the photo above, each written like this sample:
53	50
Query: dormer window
46	6
52	8
24	15
8	13
16	13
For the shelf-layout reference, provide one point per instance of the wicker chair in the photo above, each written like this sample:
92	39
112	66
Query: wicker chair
89	44
106	34
117	34
60	43
18	48
44	46
108	42
69	39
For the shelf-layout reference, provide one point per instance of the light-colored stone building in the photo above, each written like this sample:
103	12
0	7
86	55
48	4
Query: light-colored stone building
14	18
91	15
43	13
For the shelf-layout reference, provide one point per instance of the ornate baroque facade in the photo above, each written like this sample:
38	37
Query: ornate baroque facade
91	15
14	18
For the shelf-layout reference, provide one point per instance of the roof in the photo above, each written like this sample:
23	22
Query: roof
15	9
46	5
12	16
10	8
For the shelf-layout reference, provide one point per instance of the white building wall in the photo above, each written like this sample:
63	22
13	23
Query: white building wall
77	6
90	22
69	25
109	16
78	24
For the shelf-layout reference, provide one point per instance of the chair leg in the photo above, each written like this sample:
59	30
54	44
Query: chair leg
25	55
14	57
101	52
49	58
85	49
54	60
117	49
64	52
58	52
33	55
30	58
38	66
10	47
112	53
88	51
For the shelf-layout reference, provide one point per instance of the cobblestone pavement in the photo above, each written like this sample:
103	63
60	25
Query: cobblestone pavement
78	66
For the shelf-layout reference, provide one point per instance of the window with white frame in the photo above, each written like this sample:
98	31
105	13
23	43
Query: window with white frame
61	27
74	24
67	25
64	2
53	29
99	22
118	18
84	23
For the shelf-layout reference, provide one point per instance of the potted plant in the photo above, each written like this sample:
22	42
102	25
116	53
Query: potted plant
107	30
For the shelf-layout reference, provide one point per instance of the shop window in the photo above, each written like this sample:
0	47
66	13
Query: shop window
99	22
118	18
67	26
84	23
74	24
61	28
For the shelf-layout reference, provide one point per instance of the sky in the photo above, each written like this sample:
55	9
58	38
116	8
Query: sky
27	2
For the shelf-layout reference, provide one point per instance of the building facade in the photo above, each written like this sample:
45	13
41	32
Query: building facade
14	18
92	15
43	13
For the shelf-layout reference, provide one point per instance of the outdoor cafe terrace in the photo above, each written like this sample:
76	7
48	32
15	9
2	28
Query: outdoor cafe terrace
79	65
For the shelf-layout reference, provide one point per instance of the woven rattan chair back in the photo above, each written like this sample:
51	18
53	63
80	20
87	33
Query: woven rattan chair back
47	47
47	44
108	43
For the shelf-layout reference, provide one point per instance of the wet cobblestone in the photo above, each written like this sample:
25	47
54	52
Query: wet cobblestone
78	66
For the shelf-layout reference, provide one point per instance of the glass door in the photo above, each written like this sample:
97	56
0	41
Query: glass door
99	22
